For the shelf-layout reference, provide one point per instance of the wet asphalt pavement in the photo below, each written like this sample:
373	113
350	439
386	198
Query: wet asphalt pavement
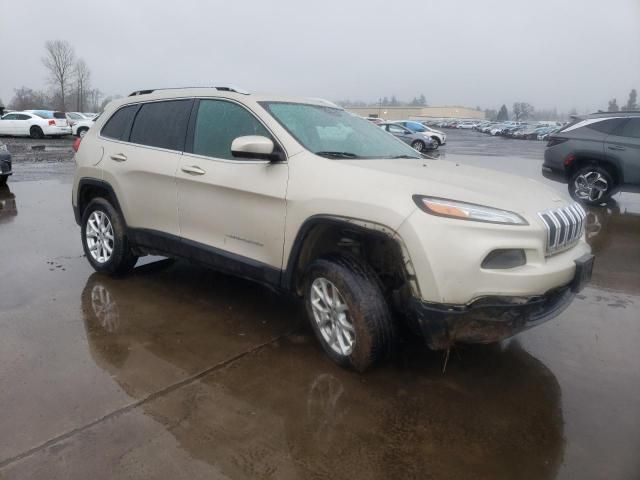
179	372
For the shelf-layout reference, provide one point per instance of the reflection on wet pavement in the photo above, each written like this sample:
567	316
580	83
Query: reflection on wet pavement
180	372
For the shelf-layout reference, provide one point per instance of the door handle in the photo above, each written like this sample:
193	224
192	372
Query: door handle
119	157
616	147
193	170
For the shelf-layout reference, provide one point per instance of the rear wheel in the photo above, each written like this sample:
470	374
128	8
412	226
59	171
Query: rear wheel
591	185
36	132
82	132
348	311
418	145
104	239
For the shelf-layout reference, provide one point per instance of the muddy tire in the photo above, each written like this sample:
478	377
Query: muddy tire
36	132
348	311
591	185
104	239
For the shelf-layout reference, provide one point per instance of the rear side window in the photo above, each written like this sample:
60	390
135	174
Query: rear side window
162	124
631	129
606	126
59	115
118	125
218	123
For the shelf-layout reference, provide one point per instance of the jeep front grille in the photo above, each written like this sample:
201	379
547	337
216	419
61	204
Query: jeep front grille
564	225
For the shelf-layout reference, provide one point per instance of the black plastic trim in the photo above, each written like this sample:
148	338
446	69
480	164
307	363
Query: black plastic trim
95	183
288	275
227	262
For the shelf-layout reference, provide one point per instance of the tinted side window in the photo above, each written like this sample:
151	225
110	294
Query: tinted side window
162	124
631	129
22	117
606	126
10	116
218	123
118	125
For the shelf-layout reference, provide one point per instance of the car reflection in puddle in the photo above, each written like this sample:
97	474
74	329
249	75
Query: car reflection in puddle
285	411
8	207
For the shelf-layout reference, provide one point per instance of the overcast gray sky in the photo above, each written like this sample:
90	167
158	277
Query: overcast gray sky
564	53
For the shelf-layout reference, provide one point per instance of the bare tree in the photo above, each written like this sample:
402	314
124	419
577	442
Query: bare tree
522	111
83	79
93	99
25	99
59	61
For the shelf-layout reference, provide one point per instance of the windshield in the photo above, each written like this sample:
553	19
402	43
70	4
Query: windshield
334	133
416	127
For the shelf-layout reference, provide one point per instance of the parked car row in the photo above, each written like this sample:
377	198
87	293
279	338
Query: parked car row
45	123
520	130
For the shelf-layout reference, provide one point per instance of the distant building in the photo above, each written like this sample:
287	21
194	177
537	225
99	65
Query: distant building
403	113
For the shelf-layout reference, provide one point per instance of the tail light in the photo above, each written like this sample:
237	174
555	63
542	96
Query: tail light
569	159
76	144
556	141
52	123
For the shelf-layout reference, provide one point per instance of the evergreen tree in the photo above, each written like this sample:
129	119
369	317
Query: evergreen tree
503	114
632	103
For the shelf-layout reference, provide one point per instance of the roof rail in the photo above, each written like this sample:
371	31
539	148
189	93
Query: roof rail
222	88
231	88
140	92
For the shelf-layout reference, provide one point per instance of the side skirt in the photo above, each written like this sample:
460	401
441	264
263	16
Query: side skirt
155	242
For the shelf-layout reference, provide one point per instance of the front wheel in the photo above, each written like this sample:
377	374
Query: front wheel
418	145
591	185
348	311
104	239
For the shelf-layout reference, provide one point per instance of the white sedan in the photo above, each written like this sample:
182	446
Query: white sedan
34	124
81	128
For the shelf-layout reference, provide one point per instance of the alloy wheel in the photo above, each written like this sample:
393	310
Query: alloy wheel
331	314
99	236
591	186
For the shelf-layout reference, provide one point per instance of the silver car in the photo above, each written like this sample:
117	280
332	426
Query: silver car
418	140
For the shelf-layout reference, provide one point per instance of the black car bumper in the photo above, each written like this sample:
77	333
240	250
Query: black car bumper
492	319
5	164
552	174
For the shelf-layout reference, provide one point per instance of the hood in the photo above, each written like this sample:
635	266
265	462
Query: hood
445	179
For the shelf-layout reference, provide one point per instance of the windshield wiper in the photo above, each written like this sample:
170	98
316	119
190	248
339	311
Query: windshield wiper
405	156
337	154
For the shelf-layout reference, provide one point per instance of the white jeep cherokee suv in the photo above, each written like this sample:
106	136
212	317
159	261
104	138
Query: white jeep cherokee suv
309	199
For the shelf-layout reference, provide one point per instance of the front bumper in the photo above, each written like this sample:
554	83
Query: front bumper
5	164
495	318
488	320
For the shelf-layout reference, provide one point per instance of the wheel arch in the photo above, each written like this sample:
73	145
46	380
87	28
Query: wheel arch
90	188
323	234
612	164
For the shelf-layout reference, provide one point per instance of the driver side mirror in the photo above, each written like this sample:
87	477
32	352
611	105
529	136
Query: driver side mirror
257	147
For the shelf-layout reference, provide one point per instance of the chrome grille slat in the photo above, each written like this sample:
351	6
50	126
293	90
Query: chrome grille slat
564	225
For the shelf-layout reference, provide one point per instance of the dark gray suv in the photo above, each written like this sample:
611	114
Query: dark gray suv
596	155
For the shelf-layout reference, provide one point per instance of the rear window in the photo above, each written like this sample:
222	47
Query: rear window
118	125
606	126
43	114
162	124
59	115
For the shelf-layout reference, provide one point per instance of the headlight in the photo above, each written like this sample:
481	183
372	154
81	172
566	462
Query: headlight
443	207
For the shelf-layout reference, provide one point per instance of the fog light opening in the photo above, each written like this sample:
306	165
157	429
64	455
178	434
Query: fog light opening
504	258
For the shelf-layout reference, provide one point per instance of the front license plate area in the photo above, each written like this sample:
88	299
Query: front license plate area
584	269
